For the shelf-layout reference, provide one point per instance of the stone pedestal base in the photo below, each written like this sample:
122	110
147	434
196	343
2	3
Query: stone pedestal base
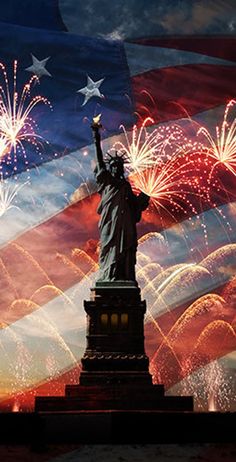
115	369
88	398
115	352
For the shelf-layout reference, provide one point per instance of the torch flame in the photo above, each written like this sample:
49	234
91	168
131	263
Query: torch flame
96	119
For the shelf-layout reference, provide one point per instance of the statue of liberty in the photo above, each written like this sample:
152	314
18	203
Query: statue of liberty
119	209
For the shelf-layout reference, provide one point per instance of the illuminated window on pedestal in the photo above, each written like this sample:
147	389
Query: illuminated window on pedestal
104	320
124	320
114	321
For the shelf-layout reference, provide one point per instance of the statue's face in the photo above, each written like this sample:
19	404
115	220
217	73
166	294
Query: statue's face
117	169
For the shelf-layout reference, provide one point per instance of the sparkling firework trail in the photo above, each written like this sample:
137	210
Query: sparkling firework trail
16	125
4	146
211	386
223	150
142	147
8	194
169	185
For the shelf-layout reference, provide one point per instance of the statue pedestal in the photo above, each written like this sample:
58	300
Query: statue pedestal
115	339
115	369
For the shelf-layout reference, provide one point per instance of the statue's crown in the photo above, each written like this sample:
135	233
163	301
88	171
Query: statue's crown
115	158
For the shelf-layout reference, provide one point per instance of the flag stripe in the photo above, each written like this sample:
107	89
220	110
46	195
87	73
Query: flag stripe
221	47
172	90
142	58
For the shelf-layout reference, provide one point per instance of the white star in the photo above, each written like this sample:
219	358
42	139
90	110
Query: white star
91	89
38	67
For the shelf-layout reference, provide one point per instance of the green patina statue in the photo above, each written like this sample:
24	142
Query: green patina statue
120	210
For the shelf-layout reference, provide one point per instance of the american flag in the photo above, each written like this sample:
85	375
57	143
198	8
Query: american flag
174	62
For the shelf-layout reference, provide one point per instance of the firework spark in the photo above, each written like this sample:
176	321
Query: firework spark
223	149
169	185
8	194
143	148
4	146
16	124
211	386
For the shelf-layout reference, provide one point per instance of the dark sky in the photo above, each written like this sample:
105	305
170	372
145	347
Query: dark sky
136	18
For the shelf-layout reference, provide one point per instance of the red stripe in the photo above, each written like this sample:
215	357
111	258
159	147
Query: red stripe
220	47
183	89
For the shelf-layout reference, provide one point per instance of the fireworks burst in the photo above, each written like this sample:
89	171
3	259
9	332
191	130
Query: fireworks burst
142	147
223	150
169	185
211	386
8	194
16	124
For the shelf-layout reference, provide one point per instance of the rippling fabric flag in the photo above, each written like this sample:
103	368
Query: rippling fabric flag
146	60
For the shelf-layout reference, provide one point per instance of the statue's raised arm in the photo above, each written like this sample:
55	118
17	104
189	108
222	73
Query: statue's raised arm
97	140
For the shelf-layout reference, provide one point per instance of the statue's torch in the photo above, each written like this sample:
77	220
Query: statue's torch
96	123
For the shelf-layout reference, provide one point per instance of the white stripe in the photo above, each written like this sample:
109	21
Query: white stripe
143	58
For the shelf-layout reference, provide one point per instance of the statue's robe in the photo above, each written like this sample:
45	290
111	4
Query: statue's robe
120	210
